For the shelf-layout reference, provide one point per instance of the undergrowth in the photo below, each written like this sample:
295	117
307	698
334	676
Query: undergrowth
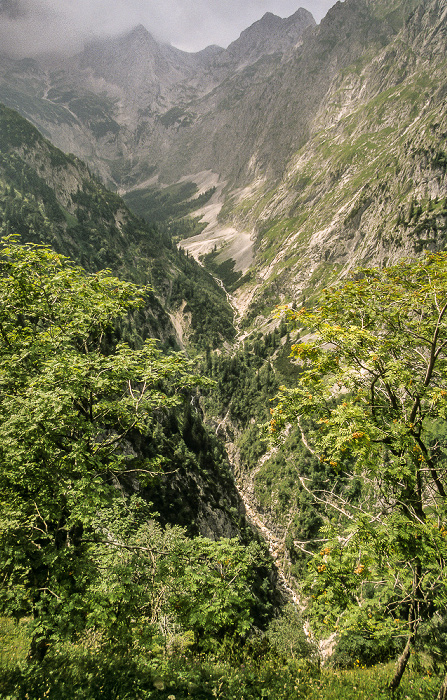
91	671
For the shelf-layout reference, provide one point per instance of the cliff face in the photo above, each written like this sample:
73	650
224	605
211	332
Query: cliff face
325	143
369	184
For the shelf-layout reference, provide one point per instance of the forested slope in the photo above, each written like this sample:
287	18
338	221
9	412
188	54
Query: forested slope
51	198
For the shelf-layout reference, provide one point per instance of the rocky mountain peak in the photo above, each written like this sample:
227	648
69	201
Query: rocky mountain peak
268	17
139	30
270	34
136	64
301	17
138	38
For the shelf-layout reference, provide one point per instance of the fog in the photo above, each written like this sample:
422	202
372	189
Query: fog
28	27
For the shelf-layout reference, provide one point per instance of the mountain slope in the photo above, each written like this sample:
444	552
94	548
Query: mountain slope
47	197
369	186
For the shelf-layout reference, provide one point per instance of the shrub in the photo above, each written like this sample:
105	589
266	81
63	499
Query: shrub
286	634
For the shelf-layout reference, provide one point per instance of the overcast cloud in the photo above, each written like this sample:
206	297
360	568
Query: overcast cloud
31	26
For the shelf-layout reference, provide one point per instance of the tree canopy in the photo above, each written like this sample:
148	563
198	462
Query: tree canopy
79	547
371	400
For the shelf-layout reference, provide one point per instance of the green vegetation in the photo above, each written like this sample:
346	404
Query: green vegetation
84	558
224	271
111	459
89	670
289	501
95	228
107	600
245	380
173	202
69	406
372	387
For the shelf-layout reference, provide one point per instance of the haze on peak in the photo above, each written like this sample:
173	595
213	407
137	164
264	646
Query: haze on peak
30	27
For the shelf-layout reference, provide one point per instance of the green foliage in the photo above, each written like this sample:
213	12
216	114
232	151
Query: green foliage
199	467
71	401
186	227
214	595
224	271
14	131
379	348
288	499
94	227
432	640
157	585
362	645
89	670
286	634
173	202
83	420
245	381
211	315
14	642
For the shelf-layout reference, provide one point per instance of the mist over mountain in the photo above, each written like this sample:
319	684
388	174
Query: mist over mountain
111	101
274	125
32	27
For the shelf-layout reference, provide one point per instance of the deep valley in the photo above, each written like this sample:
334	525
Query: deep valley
223	357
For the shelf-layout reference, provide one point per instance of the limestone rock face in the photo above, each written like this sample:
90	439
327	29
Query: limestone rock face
271	34
326	142
127	104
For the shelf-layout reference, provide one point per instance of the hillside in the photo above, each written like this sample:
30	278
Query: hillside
300	150
369	185
51	198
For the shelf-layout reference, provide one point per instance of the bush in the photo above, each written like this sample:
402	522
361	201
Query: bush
286	634
359	647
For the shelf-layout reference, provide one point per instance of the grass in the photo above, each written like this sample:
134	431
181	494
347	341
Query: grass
14	642
371	684
90	670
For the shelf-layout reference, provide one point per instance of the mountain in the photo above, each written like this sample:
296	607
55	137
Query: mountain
48	197
269	35
368	184
123	102
302	150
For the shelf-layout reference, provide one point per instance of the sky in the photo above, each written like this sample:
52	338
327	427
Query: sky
28	27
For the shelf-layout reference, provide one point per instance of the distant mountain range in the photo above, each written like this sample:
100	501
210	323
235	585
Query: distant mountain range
319	147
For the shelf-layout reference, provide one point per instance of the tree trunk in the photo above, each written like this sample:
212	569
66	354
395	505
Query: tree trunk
443	689
403	658
401	664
